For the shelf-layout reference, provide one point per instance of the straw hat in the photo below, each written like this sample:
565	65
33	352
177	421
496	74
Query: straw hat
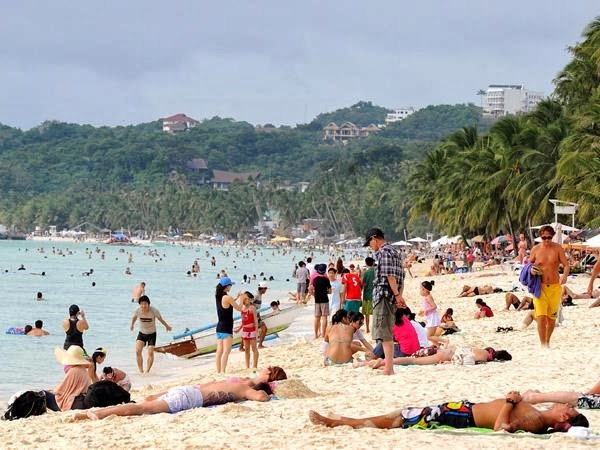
74	356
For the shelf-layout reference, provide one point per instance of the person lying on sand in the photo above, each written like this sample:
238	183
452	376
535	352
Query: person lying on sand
468	291
182	398
568	292
519	305
454	354
511	414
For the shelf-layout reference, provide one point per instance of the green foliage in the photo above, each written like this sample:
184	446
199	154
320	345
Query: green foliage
361	114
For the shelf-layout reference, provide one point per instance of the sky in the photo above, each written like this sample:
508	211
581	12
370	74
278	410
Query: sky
281	62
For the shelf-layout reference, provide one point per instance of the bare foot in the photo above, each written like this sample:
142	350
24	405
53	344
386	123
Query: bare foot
318	419
91	415
80	416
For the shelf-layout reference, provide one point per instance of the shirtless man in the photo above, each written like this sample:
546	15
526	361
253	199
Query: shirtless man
182	398
547	256
38	330
509	414
138	291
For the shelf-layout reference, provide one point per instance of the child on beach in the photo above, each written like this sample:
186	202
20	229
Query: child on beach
484	309
429	308
116	376
248	327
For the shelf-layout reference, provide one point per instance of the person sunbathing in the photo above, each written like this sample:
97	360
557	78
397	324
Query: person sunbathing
511	299
511	414
182	398
468	291
455	355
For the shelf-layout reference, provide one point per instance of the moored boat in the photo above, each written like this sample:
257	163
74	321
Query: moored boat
204	341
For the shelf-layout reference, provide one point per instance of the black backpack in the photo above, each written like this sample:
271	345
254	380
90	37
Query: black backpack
29	403
105	393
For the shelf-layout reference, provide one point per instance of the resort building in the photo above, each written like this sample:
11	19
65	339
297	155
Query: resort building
503	99
399	114
221	179
347	131
177	123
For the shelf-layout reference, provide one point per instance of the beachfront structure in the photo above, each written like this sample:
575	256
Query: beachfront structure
399	114
177	123
503	99
221	179
347	131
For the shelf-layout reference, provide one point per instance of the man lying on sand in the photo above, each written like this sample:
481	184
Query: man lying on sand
182	398
509	414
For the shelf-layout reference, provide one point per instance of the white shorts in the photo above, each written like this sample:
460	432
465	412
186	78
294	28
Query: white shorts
182	398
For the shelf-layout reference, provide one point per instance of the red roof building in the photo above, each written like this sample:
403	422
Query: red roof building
178	122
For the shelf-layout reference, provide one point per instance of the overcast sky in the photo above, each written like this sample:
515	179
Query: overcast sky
122	62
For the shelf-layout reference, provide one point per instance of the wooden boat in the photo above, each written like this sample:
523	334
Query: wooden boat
204	340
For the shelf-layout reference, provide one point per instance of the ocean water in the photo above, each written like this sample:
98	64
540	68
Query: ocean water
184	302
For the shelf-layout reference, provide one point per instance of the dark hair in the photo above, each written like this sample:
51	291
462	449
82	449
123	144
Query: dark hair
143	298
73	310
39	324
27	328
356	316
339	316
502	355
449	312
579	421
309	259
400	313
369	261
39	295
412	316
106	370
301	263
480	302
275	303
346	270
428	285
547	229
332	269
250	295
277	374
220	291
263	387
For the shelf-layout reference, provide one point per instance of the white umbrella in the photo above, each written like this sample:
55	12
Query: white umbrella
593	242
417	239
556	225
439	242
402	243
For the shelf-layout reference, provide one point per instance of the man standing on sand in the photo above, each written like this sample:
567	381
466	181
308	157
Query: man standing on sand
147	334
320	287
387	293
547	257
138	291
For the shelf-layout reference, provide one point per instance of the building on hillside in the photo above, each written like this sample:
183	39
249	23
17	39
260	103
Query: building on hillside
399	114
503	99
221	179
347	131
198	170
177	123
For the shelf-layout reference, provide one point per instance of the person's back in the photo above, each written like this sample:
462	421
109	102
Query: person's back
38	330
339	350
406	337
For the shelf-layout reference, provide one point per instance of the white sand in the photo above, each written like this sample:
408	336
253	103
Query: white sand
572	363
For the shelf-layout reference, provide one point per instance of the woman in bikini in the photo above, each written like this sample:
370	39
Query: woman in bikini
468	291
339	338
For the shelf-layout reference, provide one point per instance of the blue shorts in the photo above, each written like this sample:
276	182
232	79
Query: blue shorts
221	336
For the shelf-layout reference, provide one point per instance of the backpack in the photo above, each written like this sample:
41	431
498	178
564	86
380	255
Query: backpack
24	404
105	393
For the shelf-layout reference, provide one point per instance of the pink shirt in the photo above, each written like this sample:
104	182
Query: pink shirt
406	337
487	310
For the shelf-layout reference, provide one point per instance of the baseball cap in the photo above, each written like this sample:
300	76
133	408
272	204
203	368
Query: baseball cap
373	232
321	268
262	285
226	281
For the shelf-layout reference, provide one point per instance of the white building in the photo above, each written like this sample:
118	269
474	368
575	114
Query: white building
399	114
504	99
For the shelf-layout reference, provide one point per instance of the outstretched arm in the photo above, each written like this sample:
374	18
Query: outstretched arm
551	397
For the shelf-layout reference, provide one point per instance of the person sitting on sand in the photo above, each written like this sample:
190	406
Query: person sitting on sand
68	394
447	325
511	414
38	330
340	347
484	309
182	398
98	357
357	320
456	355
116	376
468	291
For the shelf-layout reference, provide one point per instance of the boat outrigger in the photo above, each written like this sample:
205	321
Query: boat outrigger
202	341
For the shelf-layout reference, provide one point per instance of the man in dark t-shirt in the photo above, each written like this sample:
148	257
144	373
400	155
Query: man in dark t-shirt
320	287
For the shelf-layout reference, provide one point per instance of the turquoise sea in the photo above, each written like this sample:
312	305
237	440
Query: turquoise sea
185	302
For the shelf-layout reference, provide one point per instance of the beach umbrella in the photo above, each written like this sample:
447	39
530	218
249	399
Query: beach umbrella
417	239
277	239
556	225
479	238
402	243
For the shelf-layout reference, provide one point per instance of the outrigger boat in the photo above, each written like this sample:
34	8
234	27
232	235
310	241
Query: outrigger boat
202	341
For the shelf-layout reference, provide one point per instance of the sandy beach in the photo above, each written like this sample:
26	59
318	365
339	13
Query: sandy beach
571	364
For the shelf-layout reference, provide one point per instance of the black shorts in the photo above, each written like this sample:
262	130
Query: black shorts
147	339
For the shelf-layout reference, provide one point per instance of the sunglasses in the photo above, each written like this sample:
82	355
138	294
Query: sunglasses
546	238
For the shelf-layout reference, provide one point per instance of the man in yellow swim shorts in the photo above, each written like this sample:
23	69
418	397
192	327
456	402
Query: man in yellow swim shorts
547	257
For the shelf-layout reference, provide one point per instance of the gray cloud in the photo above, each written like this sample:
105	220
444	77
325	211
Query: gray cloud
266	61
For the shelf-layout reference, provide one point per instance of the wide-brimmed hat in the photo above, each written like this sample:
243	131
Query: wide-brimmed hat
74	356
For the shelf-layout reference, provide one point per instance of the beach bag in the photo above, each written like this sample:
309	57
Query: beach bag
25	404
105	393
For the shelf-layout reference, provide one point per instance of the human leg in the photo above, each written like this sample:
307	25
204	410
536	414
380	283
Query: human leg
247	353
139	346
323	325
128	409
226	350
423	360
595	389
254	354
150	358
527	320
262	334
387	421
219	354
